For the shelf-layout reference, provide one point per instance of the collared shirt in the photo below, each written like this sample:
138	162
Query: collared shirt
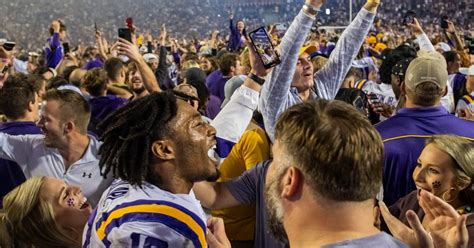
35	159
11	174
277	94
404	136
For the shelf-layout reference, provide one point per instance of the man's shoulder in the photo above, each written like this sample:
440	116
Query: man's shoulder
20	128
381	239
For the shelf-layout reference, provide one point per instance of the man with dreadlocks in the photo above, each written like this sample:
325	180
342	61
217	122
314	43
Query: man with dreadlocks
158	147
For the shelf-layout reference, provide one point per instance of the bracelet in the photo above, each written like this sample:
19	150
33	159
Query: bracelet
310	10
256	79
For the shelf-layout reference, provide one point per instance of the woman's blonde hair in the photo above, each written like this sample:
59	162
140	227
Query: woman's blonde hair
31	220
462	152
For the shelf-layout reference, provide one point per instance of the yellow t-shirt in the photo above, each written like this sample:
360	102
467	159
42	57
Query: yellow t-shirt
251	149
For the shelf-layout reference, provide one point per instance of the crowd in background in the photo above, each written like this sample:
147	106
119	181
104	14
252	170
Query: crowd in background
144	140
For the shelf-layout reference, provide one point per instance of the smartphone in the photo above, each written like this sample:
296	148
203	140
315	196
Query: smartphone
263	45
409	18
125	33
9	45
444	22
129	22
66	48
95	28
5	69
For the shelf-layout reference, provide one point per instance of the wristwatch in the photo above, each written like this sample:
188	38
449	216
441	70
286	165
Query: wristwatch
256	79
309	9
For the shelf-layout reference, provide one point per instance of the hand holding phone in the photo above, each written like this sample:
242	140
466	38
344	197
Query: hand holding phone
409	18
263	45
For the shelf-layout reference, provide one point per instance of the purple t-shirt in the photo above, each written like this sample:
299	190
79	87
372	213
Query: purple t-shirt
11	174
249	188
404	137
213	107
215	82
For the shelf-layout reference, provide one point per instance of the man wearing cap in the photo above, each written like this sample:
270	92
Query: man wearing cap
294	80
404	134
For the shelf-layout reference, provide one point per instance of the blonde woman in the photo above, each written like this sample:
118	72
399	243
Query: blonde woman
445	168
44	212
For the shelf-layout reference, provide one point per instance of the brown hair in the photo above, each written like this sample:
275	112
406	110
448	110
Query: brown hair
425	94
226	61
339	152
73	107
95	81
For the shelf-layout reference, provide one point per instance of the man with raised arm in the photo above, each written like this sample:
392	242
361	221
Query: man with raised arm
294	80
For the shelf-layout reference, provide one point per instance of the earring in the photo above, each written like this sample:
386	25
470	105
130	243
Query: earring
449	200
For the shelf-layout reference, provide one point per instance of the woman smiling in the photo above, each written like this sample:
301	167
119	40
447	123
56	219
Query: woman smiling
445	168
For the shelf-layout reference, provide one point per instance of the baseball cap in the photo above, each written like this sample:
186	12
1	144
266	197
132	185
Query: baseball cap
308	49
149	56
427	67
443	46
467	71
231	86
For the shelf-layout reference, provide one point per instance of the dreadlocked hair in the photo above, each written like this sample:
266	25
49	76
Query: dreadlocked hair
128	133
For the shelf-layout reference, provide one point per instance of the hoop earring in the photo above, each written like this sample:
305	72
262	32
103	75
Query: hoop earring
444	196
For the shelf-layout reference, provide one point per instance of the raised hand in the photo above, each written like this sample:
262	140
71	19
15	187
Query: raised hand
316	3
416	27
446	225
124	47
56	26
372	5
416	236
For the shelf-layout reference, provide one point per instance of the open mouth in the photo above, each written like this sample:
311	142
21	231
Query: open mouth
212	154
84	204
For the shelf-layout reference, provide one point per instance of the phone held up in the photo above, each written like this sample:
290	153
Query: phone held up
66	48
263	45
444	22
409	18
125	33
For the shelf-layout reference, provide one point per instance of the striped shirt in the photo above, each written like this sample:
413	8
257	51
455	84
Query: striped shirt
132	216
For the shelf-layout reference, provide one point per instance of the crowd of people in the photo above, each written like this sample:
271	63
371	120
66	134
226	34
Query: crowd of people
181	134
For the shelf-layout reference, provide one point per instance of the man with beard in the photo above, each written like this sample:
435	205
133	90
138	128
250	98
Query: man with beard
326	172
158	147
135	82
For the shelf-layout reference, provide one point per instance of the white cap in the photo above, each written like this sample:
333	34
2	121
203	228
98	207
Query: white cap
467	71
443	46
149	56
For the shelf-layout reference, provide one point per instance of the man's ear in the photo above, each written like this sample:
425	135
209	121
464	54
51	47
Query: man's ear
163	150
445	91
292	183
69	126
403	90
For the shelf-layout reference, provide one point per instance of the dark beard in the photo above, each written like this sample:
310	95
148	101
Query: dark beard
214	177
274	223
138	91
